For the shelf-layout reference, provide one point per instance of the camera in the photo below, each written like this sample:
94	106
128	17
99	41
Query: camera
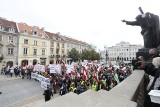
136	63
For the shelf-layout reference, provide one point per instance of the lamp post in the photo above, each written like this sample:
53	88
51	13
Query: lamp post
106	56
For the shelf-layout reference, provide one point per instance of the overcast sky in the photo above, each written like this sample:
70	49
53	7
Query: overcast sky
93	21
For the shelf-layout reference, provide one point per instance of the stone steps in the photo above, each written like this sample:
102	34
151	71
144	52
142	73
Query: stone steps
89	98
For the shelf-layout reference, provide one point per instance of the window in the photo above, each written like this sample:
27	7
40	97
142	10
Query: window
35	52
25	41
62	45
58	45
67	52
25	31
43	43
0	38
11	29
10	39
1	27
43	51
57	38
52	44
10	51
25	51
52	51
34	32
57	51
43	35
35	42
62	51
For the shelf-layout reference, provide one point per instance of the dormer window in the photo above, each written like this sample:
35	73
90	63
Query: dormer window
11	29
25	31
43	35
34	32
1	27
58	38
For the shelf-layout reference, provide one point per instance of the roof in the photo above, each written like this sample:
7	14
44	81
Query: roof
75	41
54	36
30	29
8	24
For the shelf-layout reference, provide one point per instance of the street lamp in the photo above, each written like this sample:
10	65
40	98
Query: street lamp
106	56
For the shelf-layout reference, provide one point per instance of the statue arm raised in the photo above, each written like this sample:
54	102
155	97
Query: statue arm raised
136	23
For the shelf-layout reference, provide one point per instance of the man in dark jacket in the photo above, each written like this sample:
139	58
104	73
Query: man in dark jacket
154	71
48	93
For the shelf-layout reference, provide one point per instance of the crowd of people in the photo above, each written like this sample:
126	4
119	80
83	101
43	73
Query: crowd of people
93	76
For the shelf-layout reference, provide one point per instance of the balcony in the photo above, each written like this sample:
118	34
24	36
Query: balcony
51	56
58	56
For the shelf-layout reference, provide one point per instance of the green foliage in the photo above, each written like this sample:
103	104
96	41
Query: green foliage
85	55
74	54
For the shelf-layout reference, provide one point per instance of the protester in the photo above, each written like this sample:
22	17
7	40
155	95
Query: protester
48	93
154	71
77	77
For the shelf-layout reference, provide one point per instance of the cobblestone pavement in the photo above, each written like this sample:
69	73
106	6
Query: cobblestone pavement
17	92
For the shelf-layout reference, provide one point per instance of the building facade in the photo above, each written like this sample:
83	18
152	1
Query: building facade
57	47
73	43
8	43
33	46
21	44
123	52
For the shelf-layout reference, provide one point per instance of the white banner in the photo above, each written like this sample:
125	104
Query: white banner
44	85
39	68
44	81
58	68
52	68
70	68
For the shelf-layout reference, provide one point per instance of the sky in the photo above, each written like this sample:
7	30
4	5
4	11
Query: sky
97	22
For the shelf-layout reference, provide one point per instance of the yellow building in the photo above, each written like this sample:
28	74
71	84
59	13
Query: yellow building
34	45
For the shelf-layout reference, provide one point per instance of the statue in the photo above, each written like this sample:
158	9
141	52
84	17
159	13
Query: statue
149	24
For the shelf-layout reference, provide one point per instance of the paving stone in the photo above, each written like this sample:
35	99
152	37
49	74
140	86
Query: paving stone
17	92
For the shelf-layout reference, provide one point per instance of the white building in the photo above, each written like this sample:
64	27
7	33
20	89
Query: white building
123	52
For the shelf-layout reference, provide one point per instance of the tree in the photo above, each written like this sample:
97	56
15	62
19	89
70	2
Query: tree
85	54
74	54
90	55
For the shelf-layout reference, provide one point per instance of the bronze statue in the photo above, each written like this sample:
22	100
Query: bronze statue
149	24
